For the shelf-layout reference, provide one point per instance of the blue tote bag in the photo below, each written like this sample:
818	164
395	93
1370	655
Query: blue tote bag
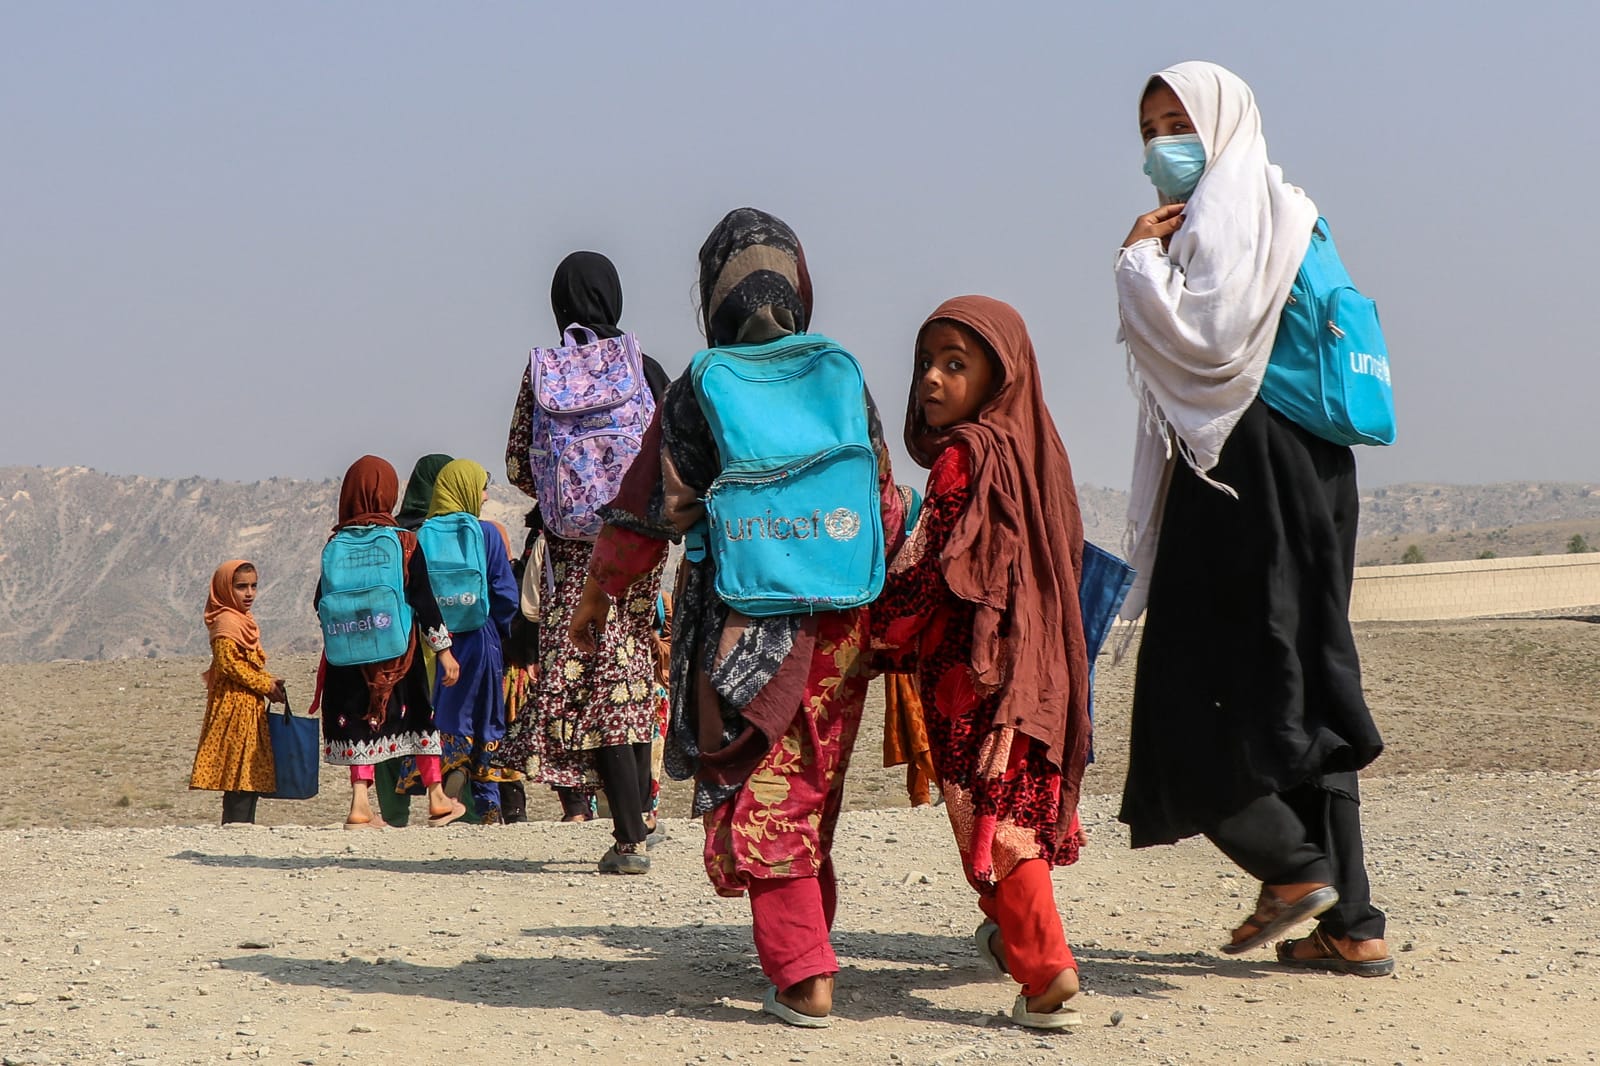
1104	585
295	752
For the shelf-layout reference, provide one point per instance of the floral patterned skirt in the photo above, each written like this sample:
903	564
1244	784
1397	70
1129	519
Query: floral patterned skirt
1001	792
585	702
780	824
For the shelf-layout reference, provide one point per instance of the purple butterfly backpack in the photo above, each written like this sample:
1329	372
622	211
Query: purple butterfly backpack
591	406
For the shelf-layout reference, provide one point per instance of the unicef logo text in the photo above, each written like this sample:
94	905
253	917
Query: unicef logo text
838	524
364	624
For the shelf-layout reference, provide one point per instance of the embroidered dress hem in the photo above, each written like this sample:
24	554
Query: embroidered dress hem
372	752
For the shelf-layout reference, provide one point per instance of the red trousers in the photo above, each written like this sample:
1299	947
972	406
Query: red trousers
1023	905
791	918
427	769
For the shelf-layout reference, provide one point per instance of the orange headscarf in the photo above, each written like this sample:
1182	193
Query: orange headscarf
226	618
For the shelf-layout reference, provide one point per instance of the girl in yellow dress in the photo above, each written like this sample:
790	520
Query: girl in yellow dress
235	753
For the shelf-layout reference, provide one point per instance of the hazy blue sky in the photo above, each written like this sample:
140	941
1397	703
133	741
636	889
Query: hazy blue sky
242	240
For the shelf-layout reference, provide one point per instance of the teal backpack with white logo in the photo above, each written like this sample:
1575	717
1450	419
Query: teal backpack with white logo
793	520
452	545
363	610
1329	370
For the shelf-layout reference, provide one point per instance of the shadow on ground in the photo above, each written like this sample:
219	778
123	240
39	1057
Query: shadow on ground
703	970
390	866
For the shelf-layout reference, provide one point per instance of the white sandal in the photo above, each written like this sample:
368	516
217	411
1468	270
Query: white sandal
788	1014
980	940
1063	1017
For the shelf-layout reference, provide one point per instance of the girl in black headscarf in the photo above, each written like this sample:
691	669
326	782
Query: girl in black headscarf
591	718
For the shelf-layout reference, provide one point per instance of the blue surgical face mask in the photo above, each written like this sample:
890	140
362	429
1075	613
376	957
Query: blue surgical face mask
1174	164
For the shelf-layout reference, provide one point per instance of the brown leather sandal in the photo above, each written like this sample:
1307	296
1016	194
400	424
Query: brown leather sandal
1273	917
1330	959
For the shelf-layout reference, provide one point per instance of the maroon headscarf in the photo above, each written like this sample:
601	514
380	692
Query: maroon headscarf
367	497
1017	549
368	493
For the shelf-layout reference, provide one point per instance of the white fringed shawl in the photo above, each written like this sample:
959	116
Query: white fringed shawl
1199	319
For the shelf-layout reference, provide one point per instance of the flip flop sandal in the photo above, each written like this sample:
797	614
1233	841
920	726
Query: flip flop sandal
1062	1017
374	823
788	1014
1273	917
1329	959
980	940
437	820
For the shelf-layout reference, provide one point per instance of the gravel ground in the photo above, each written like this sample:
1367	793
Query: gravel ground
131	937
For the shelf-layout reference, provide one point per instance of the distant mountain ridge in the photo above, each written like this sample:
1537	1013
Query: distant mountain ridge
101	566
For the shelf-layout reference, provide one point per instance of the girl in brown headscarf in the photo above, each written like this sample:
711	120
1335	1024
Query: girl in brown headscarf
983	601
382	710
235	752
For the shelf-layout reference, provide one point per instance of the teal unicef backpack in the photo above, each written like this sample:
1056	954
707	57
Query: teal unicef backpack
793	520
452	545
363	610
1329	370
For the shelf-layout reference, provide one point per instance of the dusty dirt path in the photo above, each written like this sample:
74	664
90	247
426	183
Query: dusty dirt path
311	945
124	921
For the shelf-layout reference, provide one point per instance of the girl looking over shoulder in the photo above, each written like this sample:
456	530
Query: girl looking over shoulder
235	752
983	602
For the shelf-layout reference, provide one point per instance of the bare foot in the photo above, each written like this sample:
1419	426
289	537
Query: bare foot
813	996
444	815
1063	988
361	808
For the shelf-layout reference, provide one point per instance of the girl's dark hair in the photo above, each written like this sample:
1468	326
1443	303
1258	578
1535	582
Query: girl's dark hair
242	567
1151	86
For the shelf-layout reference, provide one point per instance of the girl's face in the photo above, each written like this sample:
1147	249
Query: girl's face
244	587
954	375
1162	114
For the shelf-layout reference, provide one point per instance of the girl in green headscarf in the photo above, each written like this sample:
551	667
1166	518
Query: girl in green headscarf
471	714
395	781
419	490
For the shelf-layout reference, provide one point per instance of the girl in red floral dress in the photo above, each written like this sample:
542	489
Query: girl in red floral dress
982	603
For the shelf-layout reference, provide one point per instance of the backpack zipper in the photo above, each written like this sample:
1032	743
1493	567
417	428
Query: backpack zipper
783	474
1333	313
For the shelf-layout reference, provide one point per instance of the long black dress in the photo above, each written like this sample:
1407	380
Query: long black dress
408	728
1248	681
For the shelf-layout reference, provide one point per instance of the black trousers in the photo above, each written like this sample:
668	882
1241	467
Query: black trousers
1310	833
625	774
239	806
513	802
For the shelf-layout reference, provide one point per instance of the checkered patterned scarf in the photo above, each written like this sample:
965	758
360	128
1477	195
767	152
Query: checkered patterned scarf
753	281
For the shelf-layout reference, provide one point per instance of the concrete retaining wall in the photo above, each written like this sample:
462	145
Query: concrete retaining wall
1475	589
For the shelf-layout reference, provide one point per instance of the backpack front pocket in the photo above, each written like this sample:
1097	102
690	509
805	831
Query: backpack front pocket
587	475
365	625
1357	390
798	537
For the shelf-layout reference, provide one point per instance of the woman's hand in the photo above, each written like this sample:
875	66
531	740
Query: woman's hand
1161	223
278	694
449	669
589	617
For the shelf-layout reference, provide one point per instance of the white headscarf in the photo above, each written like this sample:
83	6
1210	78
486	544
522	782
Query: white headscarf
1200	319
